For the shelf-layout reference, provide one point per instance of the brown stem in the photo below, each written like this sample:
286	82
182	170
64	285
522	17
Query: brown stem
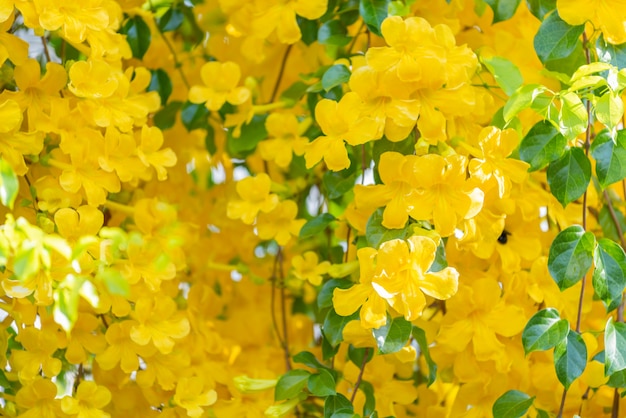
358	33
615	408
79	376
345	256
283	308
46	52
281	72
562	406
273	303
609	204
359	378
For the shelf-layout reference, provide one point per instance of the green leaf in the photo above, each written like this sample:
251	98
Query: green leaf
544	330
571	256
614	347
573	116
570	358
506	74
358	355
502	9
521	99
138	36
609	275
569	176
161	83
194	116
338	183
609	230
115	283
9	184
335	76
308	29
251	134
308	359
420	337
610	156
555	38
336	404
290	384
370	400
613	54
376	233
373	13
609	109
512	404
26	263
325	296
166	117
316	225
392	336
542	145
540	8
171	20
334	324
322	384
333	32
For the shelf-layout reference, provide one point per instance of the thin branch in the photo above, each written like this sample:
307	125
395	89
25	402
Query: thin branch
46	52
358	33
359	378
273	303
283	297
281	72
618	227
562	406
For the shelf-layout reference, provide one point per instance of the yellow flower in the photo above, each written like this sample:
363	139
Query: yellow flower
158	321
88	401
151	154
122	349
492	164
402	275
72	224
39	346
283	139
308	267
398	193
84	339
191	395
281	223
255	195
280	16
444	194
363	295
340	122
220	86
38	399
75	19
13	143
93	79
607	15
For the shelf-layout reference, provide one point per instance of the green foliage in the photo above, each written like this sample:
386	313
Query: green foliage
322	384
373	13
9	184
335	76
542	145
392	336
291	384
161	83
556	39
614	347
376	233
420	336
610	155
569	176
570	358
506	74
609	275
503	9
138	36
316	225
571	256
544	331
334	324
540	8
512	404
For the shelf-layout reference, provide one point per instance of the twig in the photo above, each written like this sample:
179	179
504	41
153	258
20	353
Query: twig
281	72
359	378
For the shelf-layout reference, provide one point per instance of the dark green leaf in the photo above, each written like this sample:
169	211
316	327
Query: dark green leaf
542	414
357	355
610	156
392	336
251	134
337	404
569	176
609	275
334	324
542	145
171	20
308	359
209	140
613	54
9	184
502	9
420	337
335	76
161	83
290	384
373	13
609	230
570	358
166	117
194	116
325	296
316	225
295	92
369	406
540	8
571	256
338	183
308	29
512	404
556	39
440	262
617	380
506	74
614	347
544	330
138	36
376	233
322	384
333	32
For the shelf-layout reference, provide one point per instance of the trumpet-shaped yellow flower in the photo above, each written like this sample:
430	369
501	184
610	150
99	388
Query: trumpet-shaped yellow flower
191	395
158	321
492	164
283	140
255	195
402	275
307	267
122	349
607	15
220	86
84	339
281	223
93	79
38	398
39	346
444	194
74	19
280	16
340	121
14	144
151	154
398	193
88	402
